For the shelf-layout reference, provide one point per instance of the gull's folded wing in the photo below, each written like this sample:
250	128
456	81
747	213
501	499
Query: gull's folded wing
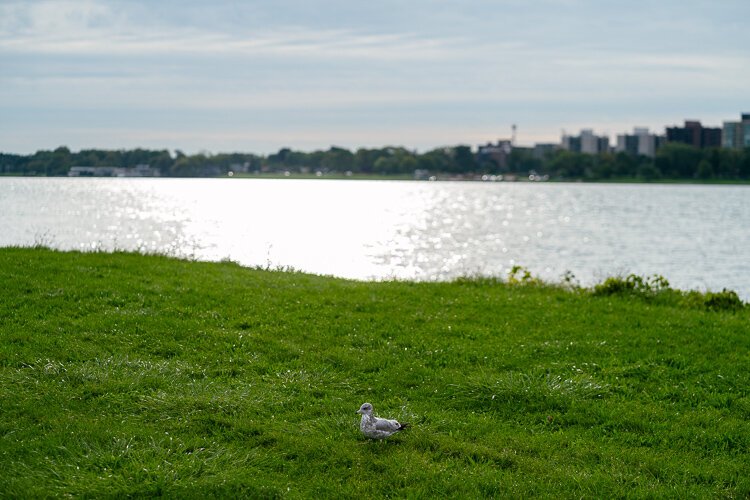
382	424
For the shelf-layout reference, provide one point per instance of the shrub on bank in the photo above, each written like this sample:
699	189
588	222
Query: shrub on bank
657	287
651	288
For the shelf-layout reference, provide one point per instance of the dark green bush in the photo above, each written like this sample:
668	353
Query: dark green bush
657	288
617	285
725	300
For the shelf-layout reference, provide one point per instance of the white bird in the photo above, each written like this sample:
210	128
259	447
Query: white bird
377	428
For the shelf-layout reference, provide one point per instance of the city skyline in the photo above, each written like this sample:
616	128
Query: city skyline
226	76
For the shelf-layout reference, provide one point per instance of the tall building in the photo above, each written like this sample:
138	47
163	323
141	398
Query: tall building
695	134
736	135
586	142
602	144
731	135
589	142
627	143
641	142
711	137
646	142
571	143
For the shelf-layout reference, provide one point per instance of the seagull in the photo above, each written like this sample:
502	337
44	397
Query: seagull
377	428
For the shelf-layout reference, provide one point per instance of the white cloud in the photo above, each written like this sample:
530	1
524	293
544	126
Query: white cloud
91	28
58	17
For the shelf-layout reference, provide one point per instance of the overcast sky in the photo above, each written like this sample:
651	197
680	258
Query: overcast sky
254	76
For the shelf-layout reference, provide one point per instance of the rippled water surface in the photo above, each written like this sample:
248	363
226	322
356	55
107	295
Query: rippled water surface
695	236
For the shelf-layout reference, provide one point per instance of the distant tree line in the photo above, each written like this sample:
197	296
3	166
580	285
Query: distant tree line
59	161
672	161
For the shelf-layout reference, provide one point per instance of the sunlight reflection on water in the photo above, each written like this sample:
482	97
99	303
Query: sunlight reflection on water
695	236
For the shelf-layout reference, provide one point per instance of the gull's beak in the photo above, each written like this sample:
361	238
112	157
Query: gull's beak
358	411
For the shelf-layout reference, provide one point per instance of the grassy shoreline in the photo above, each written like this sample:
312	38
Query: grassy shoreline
123	374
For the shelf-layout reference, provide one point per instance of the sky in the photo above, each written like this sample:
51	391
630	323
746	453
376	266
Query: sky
255	76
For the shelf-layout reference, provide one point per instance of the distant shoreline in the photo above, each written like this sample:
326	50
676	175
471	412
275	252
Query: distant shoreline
405	177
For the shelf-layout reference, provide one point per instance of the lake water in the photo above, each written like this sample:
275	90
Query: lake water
698	237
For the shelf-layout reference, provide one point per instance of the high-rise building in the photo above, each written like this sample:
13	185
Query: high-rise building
736	135
571	143
640	143
731	135
586	142
627	143
602	144
646	143
711	137
589	142
695	134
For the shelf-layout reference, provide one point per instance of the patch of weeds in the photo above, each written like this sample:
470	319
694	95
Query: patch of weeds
519	275
569	281
726	300
657	287
632	284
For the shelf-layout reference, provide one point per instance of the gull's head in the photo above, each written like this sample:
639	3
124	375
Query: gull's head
365	409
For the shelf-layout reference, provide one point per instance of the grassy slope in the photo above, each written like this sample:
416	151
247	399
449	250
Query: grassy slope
124	374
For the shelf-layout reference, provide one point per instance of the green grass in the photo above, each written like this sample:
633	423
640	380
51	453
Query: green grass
131	375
